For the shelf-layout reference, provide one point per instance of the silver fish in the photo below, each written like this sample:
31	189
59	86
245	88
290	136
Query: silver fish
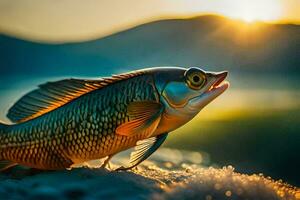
75	120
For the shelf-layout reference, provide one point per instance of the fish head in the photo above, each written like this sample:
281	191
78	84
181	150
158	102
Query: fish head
185	92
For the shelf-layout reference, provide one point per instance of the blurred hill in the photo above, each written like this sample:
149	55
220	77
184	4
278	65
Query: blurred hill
211	41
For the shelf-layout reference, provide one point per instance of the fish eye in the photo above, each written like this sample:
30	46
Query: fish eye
195	78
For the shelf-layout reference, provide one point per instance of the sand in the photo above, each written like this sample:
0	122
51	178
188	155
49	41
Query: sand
169	174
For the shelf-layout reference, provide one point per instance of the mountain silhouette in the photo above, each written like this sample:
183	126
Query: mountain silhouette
214	42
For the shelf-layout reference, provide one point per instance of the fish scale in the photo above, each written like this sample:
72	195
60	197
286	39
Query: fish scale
76	120
81	130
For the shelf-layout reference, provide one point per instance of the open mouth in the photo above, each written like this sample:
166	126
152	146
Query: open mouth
220	82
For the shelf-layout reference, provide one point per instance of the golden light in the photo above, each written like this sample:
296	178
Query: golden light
34	19
255	10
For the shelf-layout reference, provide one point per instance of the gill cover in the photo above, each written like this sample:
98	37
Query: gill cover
178	93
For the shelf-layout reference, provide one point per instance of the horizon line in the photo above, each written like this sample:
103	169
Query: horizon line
76	39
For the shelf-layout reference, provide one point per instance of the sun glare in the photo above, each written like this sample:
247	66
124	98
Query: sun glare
248	18
255	10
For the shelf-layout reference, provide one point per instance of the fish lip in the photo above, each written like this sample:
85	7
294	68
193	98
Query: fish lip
219	82
220	88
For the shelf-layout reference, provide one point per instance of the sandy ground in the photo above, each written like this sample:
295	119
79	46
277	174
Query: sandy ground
169	174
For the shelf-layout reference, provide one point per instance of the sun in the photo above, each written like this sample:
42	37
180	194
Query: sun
255	10
249	18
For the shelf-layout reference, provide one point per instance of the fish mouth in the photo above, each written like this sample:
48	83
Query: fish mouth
220	85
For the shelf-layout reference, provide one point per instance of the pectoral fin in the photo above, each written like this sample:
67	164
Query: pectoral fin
144	149
144	118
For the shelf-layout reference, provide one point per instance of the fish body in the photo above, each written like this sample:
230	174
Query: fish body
72	121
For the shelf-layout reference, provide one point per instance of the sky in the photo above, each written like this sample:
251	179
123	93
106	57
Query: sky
73	20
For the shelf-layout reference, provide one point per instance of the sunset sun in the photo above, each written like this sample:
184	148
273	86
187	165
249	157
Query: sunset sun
251	11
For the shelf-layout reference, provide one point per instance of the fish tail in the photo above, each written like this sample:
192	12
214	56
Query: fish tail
4	164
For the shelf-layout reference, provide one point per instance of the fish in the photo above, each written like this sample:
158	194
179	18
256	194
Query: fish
71	121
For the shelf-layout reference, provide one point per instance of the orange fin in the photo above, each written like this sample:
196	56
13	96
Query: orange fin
144	117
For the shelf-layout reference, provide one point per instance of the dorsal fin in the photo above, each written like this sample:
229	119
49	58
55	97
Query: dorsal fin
52	95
